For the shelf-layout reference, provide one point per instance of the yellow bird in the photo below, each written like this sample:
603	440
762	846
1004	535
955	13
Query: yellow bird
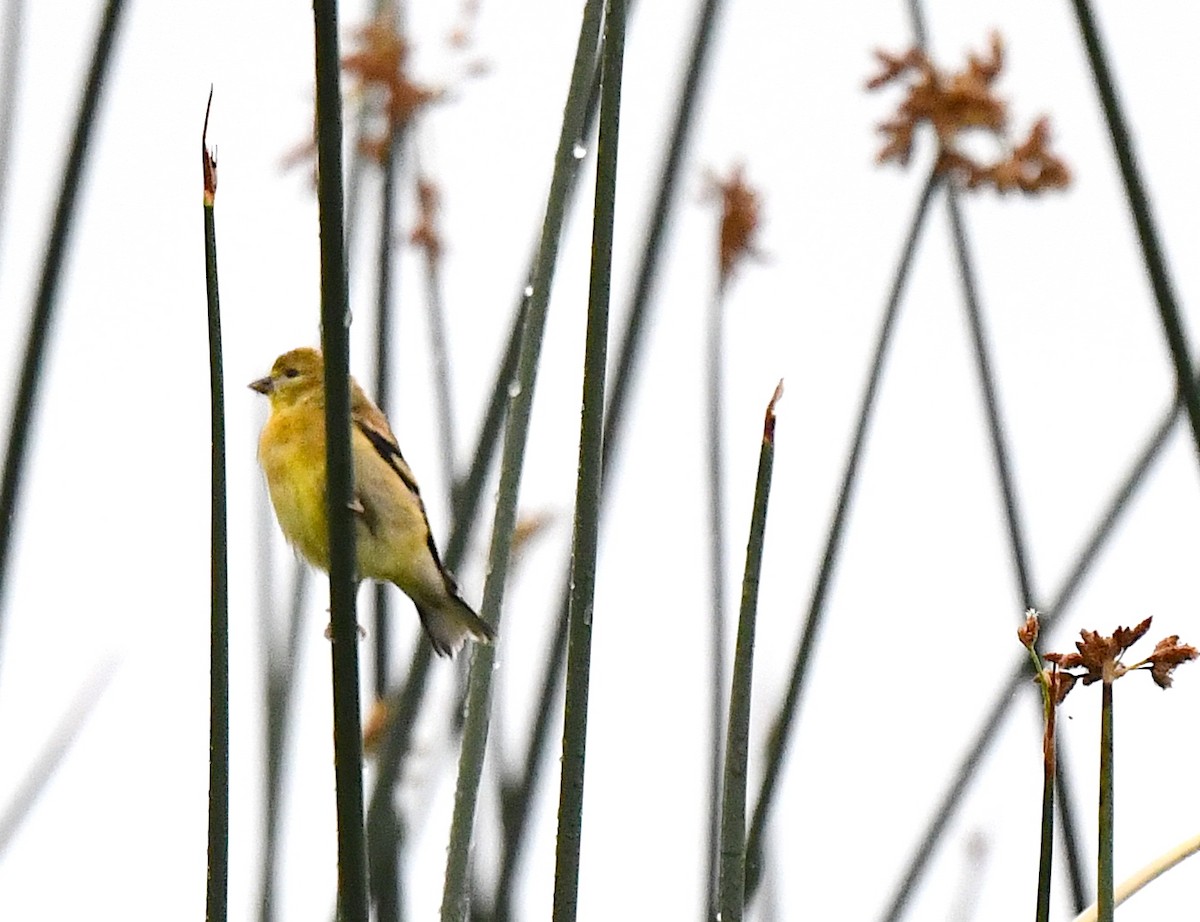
394	543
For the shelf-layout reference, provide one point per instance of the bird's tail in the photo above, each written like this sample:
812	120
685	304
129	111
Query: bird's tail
452	624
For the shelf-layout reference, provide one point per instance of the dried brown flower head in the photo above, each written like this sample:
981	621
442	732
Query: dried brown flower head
1027	633
1168	654
380	64
1099	657
425	234
957	102
739	218
210	159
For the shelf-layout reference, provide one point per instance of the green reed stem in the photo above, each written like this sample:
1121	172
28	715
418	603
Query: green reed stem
218	692
519	798
1046	849
456	896
1104	864
1139	205
588	487
732	892
335	343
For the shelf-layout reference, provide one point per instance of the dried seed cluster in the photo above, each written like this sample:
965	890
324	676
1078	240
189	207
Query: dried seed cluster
739	218
380	64
953	103
1097	658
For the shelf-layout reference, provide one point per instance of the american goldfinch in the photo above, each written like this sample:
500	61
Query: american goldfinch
394	543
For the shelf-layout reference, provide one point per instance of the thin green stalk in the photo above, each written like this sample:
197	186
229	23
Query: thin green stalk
280	672
973	759
781	728
714	374
469	489
47	290
519	798
1139	205
1046	849
991	401
1003	468
1104	863
41	771
335	344
456	896
363	125
1022	569
408	701
587	493
383	845
516	795
440	352
218	691
732	899
1064	803
467	495
383	370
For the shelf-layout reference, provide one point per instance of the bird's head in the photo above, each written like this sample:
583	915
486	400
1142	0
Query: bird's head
295	376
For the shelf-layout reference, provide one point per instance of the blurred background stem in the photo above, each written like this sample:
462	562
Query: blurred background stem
1143	221
384	842
44	766
46	298
11	40
714	381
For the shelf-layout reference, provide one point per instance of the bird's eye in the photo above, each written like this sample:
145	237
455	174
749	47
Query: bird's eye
291	373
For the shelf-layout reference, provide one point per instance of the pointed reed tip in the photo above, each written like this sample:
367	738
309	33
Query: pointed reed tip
769	420
209	157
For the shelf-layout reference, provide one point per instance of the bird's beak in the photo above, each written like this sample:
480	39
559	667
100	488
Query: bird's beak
263	385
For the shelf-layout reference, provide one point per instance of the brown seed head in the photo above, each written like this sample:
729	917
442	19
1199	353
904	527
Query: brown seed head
1166	656
1100	657
425	234
952	103
740	208
1027	633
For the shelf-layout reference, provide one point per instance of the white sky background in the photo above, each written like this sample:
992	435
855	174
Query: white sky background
111	555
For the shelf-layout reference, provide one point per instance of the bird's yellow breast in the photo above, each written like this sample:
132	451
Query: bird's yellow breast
292	453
